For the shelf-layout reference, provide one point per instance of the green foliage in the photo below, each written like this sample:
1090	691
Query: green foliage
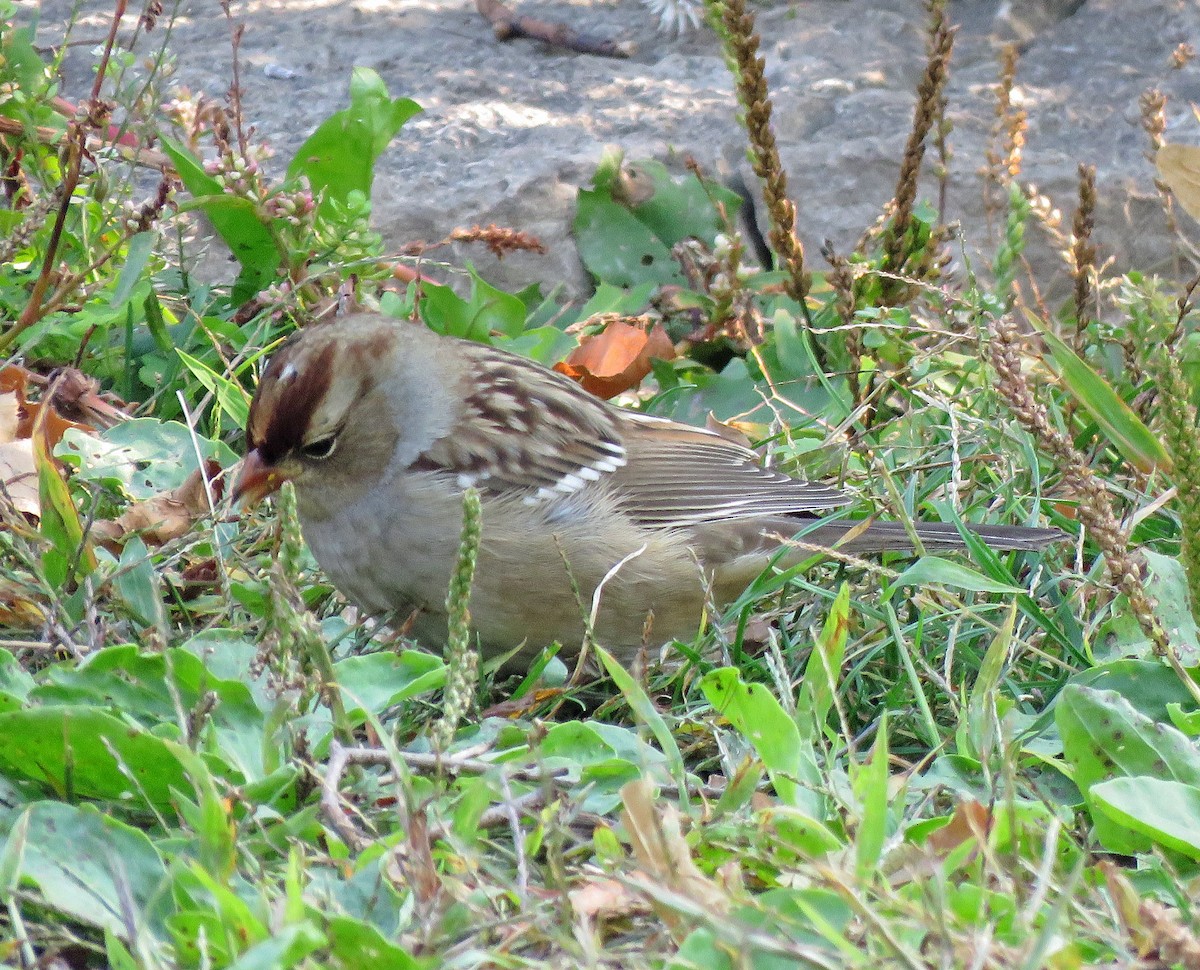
899	761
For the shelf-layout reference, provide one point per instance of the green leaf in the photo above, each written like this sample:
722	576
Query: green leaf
138	584
339	157
231	396
1167	584
125	680
89	866
757	715
83	752
1165	812
59	523
1104	737
1136	443
142	456
137	254
236	220
824	668
978	733
285	948
636	697
492	309
683	209
935	571
871	787
354	944
373	682
617	248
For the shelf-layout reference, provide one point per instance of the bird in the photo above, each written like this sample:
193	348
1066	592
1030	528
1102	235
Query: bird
382	425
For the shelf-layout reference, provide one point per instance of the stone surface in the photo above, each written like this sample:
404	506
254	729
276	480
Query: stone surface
511	130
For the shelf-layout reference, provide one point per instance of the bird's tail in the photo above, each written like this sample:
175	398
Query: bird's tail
856	536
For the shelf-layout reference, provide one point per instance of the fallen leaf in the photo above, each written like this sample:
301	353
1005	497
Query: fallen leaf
971	820
162	517
17	611
18	477
1179	167
79	396
606	899
618	357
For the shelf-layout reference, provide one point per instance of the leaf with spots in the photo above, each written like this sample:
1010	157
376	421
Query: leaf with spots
1105	737
758	716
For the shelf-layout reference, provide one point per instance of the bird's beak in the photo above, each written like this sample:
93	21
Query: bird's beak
255	481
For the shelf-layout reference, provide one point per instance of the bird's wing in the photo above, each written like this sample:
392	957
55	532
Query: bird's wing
677	476
525	430
522	429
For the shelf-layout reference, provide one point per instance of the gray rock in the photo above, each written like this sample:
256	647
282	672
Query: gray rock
511	130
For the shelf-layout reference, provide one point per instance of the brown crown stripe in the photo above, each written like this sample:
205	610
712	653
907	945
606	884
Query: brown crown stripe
290	403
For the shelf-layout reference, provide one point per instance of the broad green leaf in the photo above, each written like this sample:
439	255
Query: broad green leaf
1165	812
684	208
14	680
339	157
237	221
142	456
1167	584
88	866
617	248
492	309
285	948
80	752
1104	738
1136	443
139	585
373	682
757	715
354	945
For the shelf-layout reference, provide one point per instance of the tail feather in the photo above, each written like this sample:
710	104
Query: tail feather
851	536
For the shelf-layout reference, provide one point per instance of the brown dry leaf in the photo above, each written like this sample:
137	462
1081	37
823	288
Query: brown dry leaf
665	857
742	433
79	395
606	899
55	424
617	358
918	862
18	477
17	611
18	474
18	420
163	517
971	820
1179	167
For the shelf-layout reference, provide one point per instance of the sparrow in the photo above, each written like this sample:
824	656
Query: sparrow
596	520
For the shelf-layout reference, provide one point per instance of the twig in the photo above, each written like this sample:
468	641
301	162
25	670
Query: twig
508	25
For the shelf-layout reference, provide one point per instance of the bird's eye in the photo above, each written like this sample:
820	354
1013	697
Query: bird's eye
321	448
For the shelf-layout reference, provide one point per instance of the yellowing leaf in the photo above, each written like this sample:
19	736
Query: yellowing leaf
1179	167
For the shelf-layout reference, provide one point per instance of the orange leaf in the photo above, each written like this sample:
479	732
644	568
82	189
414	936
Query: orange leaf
617	358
